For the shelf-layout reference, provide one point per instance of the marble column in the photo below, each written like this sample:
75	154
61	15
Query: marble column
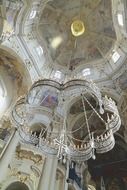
53	175
7	154
48	177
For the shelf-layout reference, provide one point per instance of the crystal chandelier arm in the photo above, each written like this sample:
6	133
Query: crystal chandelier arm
94	110
87	124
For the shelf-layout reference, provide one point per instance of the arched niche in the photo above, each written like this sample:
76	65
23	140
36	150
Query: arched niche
17	186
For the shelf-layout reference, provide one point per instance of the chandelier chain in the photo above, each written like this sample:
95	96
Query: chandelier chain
87	124
95	110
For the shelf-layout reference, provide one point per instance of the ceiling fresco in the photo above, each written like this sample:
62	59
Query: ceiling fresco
12	68
64	48
49	97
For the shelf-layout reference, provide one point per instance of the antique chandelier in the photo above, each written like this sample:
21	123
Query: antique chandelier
61	142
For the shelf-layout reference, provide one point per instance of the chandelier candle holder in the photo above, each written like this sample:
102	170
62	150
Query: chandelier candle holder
61	143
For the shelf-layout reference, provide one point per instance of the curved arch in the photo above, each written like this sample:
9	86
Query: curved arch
13	180
17	186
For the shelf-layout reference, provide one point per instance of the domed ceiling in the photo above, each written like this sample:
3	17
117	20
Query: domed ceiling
71	39
94	21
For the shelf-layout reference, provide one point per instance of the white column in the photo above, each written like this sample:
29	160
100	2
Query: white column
57	184
7	154
48	177
53	175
